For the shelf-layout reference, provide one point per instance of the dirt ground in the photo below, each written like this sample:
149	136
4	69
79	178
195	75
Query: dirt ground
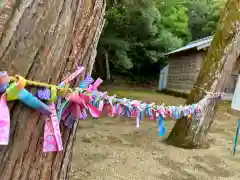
113	149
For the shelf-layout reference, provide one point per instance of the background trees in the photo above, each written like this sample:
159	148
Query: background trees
138	32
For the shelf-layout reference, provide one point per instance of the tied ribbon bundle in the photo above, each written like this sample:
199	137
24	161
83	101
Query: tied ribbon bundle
16	90
138	110
52	134
4	121
75	104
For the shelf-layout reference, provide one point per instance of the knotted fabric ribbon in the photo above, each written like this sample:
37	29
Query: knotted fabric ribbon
4	121
52	134
84	102
72	76
137	112
72	113
44	94
15	88
95	85
86	82
16	91
161	126
79	103
80	70
4	81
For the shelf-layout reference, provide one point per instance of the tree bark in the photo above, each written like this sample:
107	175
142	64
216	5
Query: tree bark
108	74
99	67
216	70
42	40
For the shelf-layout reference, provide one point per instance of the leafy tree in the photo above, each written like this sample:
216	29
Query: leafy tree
138	32
215	73
176	21
203	16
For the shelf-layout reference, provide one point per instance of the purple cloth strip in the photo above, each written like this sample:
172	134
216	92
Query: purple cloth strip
84	114
43	111
44	94
70	121
59	103
86	82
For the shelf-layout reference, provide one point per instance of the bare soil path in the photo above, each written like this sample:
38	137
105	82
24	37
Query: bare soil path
113	149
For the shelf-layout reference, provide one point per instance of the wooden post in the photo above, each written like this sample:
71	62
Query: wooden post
236	138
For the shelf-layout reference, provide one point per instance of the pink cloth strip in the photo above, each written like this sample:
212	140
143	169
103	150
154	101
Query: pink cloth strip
4	121
83	102
74	75
52	135
95	85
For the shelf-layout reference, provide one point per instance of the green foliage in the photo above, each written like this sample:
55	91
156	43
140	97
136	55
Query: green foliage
176	21
137	33
204	16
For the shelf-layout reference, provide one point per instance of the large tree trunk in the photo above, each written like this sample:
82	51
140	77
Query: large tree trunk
43	40
218	65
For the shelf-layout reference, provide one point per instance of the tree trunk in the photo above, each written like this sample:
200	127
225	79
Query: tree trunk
99	67
42	40
216	70
108	74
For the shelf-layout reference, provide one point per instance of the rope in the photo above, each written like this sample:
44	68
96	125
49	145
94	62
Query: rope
45	85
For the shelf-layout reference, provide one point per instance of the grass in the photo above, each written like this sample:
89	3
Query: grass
147	96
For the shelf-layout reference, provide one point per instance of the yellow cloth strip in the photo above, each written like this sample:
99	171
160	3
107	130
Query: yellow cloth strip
62	91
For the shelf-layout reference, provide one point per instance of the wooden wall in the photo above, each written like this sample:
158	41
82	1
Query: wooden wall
184	69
